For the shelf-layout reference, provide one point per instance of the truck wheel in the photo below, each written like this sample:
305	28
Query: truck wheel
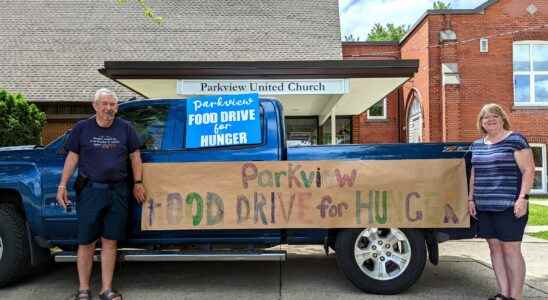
381	261
14	247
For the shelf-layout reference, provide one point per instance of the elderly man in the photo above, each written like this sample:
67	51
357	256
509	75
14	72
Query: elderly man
100	147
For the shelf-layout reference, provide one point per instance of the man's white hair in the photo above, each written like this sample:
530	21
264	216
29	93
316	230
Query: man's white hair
104	91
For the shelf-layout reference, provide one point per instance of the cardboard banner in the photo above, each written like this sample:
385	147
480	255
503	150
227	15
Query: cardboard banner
306	194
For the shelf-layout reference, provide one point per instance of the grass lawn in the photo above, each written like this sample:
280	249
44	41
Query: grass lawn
537	197
538	215
540	235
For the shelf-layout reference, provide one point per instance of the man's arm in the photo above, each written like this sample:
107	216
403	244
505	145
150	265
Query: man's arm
137	167
70	165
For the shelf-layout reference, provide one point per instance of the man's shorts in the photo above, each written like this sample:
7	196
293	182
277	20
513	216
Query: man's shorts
102	212
501	225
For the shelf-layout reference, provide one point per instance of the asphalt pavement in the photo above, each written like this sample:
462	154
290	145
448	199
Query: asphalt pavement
463	273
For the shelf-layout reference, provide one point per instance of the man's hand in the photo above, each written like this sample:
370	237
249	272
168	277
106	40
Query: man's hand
472	208
62	196
139	192
520	207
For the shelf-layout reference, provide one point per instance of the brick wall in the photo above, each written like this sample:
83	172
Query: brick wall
416	47
485	77
381	131
366	131
370	50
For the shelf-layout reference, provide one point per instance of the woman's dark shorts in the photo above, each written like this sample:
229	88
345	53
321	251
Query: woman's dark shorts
102	212
501	225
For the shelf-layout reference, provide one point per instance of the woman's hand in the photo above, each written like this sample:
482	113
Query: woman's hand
472	208
520	207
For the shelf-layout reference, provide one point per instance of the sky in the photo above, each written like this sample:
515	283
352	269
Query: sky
359	16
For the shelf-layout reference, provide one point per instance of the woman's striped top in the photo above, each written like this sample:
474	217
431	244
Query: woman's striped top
497	177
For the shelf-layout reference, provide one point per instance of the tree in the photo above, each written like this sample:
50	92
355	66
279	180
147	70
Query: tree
147	10
389	33
351	38
442	5
21	122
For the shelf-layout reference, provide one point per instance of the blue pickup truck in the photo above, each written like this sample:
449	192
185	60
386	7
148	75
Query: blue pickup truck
35	230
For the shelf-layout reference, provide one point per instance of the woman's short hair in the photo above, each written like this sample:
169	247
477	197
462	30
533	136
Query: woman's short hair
494	109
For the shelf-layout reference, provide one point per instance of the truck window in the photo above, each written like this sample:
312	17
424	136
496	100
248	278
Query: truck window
149	122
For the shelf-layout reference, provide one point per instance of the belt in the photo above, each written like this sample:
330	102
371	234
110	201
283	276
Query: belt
106	185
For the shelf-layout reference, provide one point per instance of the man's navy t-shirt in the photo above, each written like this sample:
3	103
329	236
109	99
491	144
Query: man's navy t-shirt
103	152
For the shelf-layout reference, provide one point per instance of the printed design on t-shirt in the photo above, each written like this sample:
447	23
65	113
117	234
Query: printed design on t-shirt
104	141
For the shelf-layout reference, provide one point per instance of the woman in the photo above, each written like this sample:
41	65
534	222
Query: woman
502	175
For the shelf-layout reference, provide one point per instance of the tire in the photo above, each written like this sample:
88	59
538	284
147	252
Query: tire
14	246
381	261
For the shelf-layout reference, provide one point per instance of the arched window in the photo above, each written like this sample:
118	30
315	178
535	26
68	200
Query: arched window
414	121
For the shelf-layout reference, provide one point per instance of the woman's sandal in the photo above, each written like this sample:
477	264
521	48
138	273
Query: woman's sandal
110	294
82	295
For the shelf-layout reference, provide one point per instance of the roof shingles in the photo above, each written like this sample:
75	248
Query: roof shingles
51	50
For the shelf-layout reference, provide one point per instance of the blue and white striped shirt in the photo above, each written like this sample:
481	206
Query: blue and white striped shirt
497	177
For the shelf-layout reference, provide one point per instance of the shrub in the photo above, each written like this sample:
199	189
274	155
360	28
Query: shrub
21	122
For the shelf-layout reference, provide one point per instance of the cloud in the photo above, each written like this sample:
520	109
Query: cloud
359	16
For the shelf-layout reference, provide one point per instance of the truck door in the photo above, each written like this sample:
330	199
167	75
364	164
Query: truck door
268	149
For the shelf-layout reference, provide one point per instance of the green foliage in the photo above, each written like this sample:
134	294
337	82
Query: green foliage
538	215
147	10
442	5
351	38
21	123
541	235
389	33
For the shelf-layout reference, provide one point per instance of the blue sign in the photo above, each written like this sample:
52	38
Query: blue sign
222	120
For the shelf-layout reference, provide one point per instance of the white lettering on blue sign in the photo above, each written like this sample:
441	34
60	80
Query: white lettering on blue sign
222	120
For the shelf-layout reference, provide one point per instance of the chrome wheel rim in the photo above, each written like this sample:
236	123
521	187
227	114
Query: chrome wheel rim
382	253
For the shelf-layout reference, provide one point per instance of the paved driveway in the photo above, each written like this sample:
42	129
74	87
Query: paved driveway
307	274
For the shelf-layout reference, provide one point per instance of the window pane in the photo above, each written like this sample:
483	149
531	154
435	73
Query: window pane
537	183
521	58
377	110
344	130
540	57
326	132
537	156
415	107
301	131
149	123
541	88
521	83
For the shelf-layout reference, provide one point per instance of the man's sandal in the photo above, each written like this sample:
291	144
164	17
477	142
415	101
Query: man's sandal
497	297
82	295
110	294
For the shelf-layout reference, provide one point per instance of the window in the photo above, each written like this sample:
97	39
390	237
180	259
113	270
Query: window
301	131
377	111
343	130
530	61
414	122
484	45
540	182
150	123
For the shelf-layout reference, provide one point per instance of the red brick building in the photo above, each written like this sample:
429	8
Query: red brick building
497	52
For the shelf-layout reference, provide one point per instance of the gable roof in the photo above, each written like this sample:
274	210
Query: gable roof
52	50
478	10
